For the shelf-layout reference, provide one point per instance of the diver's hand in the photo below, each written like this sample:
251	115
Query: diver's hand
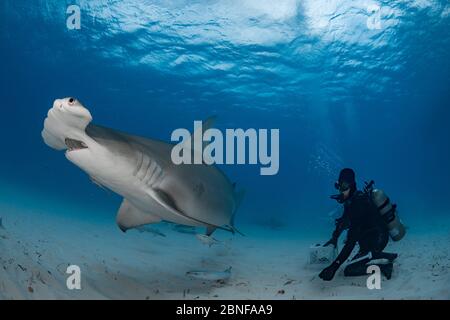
332	241
327	274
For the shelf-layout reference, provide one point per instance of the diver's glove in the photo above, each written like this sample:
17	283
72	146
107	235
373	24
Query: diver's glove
332	241
327	274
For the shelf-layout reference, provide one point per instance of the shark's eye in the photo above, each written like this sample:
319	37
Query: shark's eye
71	101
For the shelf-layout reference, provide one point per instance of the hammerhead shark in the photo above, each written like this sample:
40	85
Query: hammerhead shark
141	171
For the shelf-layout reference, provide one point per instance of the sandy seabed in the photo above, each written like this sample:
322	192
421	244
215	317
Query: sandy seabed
35	250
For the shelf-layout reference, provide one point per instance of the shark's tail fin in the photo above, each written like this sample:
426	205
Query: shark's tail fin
238	197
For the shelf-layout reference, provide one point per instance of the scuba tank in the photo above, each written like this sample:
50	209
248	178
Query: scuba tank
387	210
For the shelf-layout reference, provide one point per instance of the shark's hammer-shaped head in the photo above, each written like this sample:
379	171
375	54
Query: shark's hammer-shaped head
65	129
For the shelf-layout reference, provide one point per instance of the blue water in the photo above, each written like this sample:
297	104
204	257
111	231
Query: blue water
342	94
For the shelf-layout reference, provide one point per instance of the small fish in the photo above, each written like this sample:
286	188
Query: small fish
184	229
210	275
288	282
153	231
208	240
1	223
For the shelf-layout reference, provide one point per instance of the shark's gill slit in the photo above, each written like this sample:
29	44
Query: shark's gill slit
140	161
154	177
157	177
144	167
151	170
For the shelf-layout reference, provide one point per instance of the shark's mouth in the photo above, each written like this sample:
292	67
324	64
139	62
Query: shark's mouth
73	144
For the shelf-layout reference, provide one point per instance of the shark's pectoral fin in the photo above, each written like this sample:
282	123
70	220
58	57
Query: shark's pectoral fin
165	200
130	217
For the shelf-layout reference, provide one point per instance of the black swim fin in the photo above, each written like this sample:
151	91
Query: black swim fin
385	255
386	270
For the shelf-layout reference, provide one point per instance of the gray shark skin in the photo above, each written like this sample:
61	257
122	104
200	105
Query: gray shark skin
142	172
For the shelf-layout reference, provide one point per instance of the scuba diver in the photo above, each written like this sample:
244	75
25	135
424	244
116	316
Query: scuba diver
370	219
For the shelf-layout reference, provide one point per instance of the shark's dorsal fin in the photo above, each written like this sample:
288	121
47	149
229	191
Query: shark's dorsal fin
198	134
206	124
130	217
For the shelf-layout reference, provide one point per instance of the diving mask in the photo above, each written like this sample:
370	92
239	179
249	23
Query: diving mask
342	186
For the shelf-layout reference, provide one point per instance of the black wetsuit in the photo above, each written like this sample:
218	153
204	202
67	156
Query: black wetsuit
367	228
